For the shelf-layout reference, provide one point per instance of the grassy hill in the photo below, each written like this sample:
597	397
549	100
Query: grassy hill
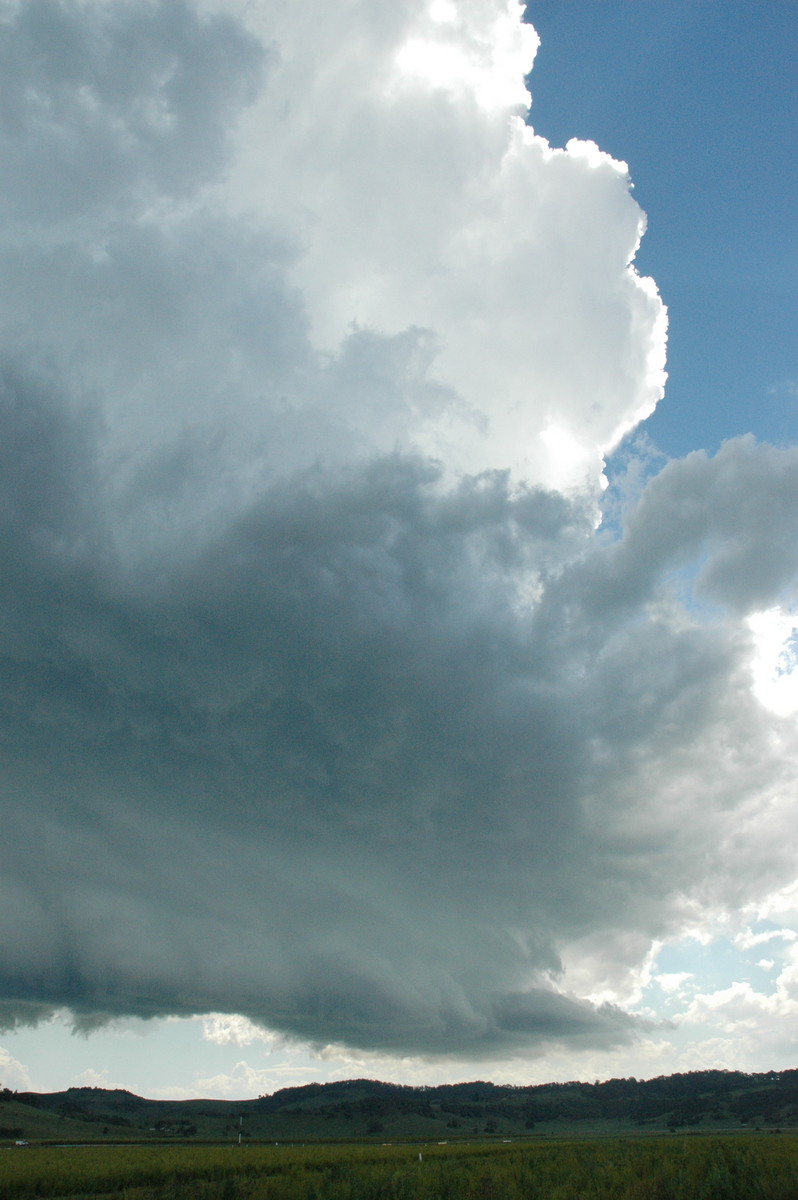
355	1109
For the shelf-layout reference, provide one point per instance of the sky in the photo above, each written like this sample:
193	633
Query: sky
397	519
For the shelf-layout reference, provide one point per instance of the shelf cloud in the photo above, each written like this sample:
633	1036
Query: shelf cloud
327	697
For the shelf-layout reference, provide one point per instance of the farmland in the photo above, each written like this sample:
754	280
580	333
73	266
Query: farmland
676	1167
708	1135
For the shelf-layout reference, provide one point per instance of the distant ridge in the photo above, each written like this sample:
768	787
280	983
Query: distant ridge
356	1108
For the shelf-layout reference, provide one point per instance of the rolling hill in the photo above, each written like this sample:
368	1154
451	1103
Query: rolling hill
363	1108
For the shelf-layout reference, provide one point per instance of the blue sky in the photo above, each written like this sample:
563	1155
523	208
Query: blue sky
700	100
340	740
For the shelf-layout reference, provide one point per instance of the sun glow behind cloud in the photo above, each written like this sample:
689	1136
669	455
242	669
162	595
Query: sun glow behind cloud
775	662
488	66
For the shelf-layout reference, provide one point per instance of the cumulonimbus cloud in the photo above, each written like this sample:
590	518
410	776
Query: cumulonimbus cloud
324	700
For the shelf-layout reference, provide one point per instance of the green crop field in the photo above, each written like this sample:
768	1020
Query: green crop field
692	1167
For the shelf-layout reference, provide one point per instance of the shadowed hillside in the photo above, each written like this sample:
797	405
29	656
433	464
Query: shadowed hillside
367	1108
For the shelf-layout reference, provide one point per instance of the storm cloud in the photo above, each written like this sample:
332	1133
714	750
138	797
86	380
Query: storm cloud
327	698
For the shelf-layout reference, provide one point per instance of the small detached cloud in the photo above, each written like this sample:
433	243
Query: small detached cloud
673	982
748	938
93	1079
13	1074
247	1080
326	701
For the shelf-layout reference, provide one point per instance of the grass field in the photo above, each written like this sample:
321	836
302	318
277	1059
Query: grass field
692	1167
